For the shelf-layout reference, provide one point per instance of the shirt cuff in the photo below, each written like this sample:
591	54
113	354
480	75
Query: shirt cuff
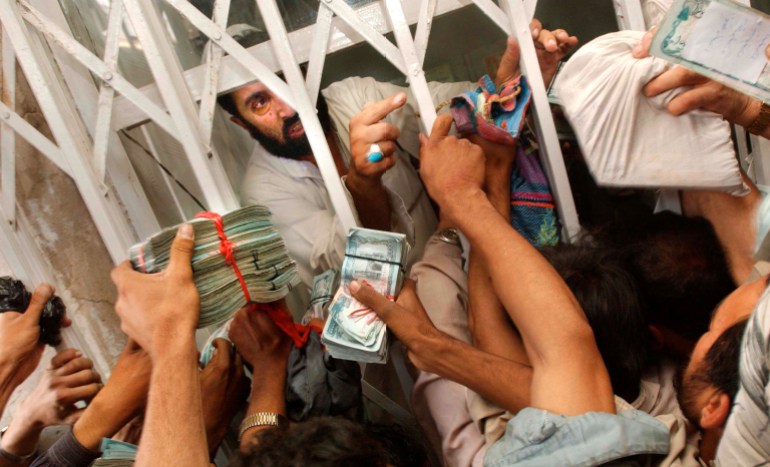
66	452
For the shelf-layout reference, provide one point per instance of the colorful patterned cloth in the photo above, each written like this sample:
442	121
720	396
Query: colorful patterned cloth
496	115
533	210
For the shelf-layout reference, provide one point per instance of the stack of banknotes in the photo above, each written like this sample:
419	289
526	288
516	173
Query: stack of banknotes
353	331
324	286
258	250
116	454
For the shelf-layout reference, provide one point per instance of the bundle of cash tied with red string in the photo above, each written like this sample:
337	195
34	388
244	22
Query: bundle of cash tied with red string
238	258
352	330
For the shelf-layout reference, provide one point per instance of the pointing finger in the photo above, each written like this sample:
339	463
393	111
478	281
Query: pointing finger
375	112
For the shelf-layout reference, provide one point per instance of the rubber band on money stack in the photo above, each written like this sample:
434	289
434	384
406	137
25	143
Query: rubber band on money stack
297	332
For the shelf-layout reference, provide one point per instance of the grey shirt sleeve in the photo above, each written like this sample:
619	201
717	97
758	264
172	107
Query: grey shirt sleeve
66	452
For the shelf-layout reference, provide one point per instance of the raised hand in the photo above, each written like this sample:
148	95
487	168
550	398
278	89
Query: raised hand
173	291
123	398
698	92
367	128
69	378
452	168
257	339
20	351
551	48
224	388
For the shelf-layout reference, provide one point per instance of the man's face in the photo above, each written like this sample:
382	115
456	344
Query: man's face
735	307
271	121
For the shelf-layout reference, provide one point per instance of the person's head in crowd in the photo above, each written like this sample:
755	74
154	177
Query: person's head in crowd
334	442
707	384
680	267
271	121
608	295
715	370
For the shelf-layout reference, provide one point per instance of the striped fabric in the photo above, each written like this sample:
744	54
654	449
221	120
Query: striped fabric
533	210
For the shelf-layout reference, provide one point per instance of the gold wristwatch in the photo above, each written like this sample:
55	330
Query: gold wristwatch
260	419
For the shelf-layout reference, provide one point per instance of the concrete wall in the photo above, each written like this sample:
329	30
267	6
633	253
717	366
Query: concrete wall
69	242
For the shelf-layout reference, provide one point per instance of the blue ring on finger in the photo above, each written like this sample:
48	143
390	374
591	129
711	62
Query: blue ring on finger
375	157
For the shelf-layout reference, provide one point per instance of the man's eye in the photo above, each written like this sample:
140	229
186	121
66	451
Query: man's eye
259	103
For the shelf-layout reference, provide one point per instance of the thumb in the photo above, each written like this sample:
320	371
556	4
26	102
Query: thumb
441	127
642	50
182	251
40	297
509	63
377	302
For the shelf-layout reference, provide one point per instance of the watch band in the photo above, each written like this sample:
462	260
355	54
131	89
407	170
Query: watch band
760	124
449	235
260	419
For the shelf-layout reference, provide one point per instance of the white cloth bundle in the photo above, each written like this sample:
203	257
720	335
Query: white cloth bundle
631	140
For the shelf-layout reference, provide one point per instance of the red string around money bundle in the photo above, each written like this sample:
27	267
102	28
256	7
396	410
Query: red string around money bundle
298	333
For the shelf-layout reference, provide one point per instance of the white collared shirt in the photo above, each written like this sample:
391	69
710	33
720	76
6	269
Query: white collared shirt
295	192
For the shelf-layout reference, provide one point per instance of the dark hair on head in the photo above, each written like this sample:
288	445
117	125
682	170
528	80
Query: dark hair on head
723	360
227	102
334	442
608	295
719	368
679	265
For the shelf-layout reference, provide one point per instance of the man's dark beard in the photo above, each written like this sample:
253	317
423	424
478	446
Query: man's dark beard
291	148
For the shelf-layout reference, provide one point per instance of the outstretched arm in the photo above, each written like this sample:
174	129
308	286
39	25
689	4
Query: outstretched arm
160	312
435	352
490	325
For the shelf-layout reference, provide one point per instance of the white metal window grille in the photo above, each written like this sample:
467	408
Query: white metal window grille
85	115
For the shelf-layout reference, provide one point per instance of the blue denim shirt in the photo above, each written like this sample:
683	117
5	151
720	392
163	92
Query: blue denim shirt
537	437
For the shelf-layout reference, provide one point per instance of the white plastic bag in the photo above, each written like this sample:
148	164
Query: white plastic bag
631	140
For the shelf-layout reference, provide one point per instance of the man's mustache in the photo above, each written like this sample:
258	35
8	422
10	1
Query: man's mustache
288	124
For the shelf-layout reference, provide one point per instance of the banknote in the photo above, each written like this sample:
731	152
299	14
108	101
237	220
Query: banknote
353	331
250	241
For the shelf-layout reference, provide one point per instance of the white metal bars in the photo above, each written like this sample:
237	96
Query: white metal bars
215	186
107	92
518	24
7	134
68	130
424	23
57	35
295	94
234	73
320	44
629	15
413	63
81	84
307	112
213	55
